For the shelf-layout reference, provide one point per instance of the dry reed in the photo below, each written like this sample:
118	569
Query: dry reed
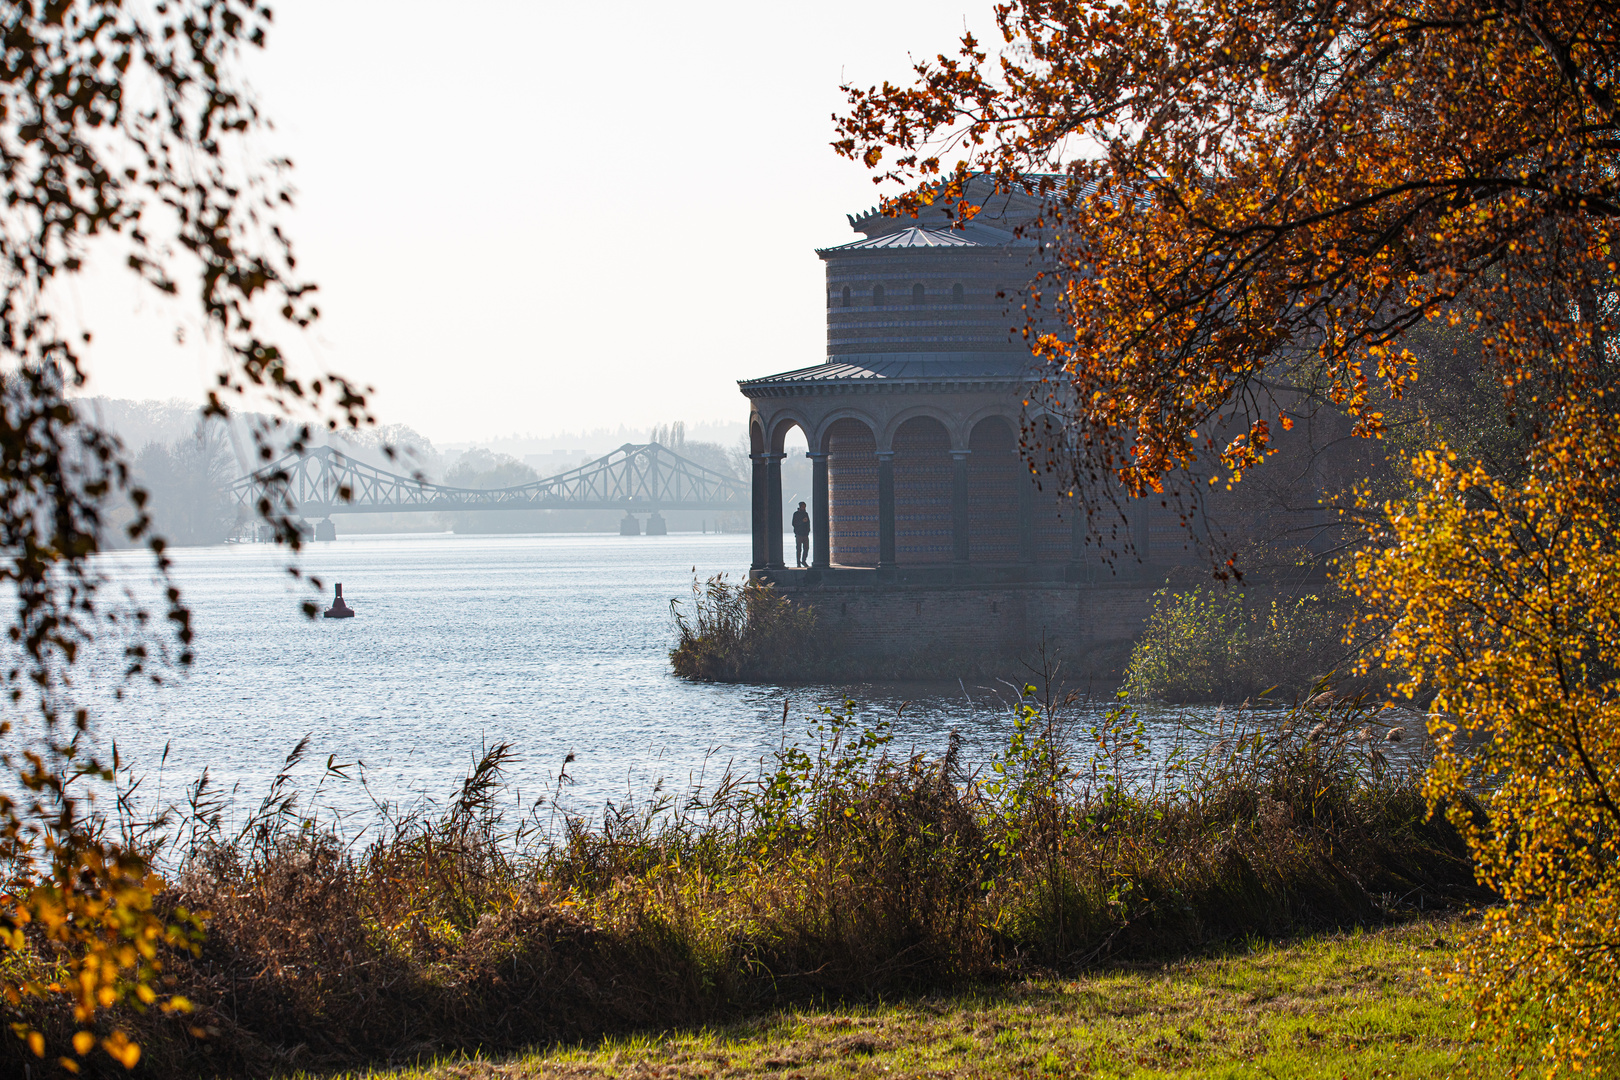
840	870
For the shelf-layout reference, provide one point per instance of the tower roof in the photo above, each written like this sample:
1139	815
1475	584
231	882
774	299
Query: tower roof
916	237
899	371
1002	213
927	302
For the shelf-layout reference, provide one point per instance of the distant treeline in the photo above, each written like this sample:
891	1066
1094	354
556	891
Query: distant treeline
187	464
187	480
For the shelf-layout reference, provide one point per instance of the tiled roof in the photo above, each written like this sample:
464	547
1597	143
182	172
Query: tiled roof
910	238
987	366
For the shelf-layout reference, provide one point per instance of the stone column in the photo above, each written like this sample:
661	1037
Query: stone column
885	509
773	511
959	505
820	512
757	515
1026	514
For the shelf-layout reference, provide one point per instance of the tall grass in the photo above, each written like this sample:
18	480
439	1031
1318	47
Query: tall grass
841	868
746	631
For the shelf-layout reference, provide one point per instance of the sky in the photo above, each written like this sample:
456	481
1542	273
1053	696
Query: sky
535	217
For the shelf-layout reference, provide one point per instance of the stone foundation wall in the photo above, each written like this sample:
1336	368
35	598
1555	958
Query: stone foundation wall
932	630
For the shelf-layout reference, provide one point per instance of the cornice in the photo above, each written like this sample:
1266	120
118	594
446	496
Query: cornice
843	387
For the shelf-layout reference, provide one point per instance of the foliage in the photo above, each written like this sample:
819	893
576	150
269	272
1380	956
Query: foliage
186	481
480	468
1457	403
708	454
841	869
746	631
126	134
1215	644
1283	202
1503	604
1267	197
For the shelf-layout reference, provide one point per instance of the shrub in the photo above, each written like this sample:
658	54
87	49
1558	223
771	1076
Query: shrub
1215	644
746	631
840	870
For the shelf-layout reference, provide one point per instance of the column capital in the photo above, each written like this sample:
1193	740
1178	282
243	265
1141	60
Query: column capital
885	455
815	455
774	457
961	455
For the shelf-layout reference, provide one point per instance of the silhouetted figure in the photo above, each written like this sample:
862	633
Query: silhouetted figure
339	610
801	536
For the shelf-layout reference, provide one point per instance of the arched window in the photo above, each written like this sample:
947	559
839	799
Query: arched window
918	296
846	296
956	293
877	296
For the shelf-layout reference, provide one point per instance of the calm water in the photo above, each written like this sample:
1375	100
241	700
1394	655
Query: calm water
557	644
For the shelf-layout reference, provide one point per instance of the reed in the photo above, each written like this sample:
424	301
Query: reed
744	632
839	870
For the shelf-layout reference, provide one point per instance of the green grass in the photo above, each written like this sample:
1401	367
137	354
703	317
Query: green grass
1354	1005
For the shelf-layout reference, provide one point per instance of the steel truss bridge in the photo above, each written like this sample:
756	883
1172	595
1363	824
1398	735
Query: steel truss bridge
634	478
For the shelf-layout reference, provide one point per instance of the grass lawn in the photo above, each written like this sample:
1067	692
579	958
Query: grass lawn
1341	1005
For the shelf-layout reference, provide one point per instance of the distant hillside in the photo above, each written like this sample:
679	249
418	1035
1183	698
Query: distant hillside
165	423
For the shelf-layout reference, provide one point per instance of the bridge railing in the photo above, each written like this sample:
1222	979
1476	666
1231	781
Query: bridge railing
635	477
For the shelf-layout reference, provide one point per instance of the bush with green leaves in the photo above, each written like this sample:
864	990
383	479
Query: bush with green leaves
1220	644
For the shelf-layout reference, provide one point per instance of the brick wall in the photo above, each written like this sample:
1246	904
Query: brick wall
970	628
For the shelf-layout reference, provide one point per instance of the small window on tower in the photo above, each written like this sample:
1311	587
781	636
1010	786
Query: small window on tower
956	293
918	296
846	296
877	296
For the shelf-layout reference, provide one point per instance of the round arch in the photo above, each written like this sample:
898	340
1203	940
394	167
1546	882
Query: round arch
1009	415
823	429
932	412
786	421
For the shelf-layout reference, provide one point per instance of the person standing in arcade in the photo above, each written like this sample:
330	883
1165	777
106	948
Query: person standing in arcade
801	536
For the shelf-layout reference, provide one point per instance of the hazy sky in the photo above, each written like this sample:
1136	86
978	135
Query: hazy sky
535	216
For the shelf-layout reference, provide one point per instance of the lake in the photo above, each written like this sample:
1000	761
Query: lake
555	643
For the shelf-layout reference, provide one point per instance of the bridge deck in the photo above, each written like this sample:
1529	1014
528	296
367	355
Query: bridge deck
634	478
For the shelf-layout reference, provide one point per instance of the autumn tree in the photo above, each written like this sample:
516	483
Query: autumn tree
1261	211
1252	202
124	130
